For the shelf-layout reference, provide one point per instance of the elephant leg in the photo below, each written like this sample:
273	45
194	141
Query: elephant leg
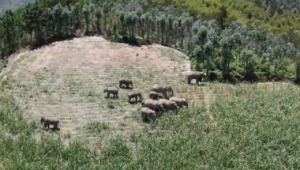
55	126
45	125
165	94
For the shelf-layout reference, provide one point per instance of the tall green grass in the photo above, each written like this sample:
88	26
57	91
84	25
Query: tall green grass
257	128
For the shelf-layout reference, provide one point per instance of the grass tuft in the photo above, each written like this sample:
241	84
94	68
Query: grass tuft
97	127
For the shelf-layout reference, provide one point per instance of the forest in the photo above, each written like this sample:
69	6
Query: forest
228	40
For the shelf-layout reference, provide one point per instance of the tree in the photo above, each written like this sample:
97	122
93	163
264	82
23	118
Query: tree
66	22
297	80
57	18
86	13
249	65
9	32
208	51
98	14
222	16
227	45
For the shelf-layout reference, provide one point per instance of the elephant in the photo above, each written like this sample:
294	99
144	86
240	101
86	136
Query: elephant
168	104
153	104
180	101
198	75
148	115
111	90
135	95
163	89
154	95
50	120
128	83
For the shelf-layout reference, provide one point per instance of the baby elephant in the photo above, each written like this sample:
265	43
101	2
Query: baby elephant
180	101
135	95
148	115
50	120
111	90
128	83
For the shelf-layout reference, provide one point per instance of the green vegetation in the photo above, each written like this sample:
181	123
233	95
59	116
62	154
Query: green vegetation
248	12
254	128
97	127
227	49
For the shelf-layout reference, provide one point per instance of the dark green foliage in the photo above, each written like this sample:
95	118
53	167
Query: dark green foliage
298	72
214	45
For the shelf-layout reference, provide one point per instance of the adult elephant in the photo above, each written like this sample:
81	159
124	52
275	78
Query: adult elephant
197	75
168	104
180	101
153	105
163	89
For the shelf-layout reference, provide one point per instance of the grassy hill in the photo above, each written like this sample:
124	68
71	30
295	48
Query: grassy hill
67	79
246	126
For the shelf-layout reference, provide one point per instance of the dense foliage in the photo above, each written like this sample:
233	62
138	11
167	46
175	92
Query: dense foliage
228	51
254	128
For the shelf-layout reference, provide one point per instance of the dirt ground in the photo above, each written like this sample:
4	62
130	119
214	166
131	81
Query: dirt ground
67	79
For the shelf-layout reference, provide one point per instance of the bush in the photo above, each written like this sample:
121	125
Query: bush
215	75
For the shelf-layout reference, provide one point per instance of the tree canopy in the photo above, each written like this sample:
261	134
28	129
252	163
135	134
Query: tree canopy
228	51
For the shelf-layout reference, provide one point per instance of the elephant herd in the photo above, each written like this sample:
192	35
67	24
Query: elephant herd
161	99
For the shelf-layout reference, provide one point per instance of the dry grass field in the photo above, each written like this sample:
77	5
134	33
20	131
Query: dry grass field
67	79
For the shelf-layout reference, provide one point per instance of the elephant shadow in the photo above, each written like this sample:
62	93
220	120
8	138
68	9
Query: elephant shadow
134	102
200	83
53	129
126	87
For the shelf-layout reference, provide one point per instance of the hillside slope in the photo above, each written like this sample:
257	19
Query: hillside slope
275	17
67	79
